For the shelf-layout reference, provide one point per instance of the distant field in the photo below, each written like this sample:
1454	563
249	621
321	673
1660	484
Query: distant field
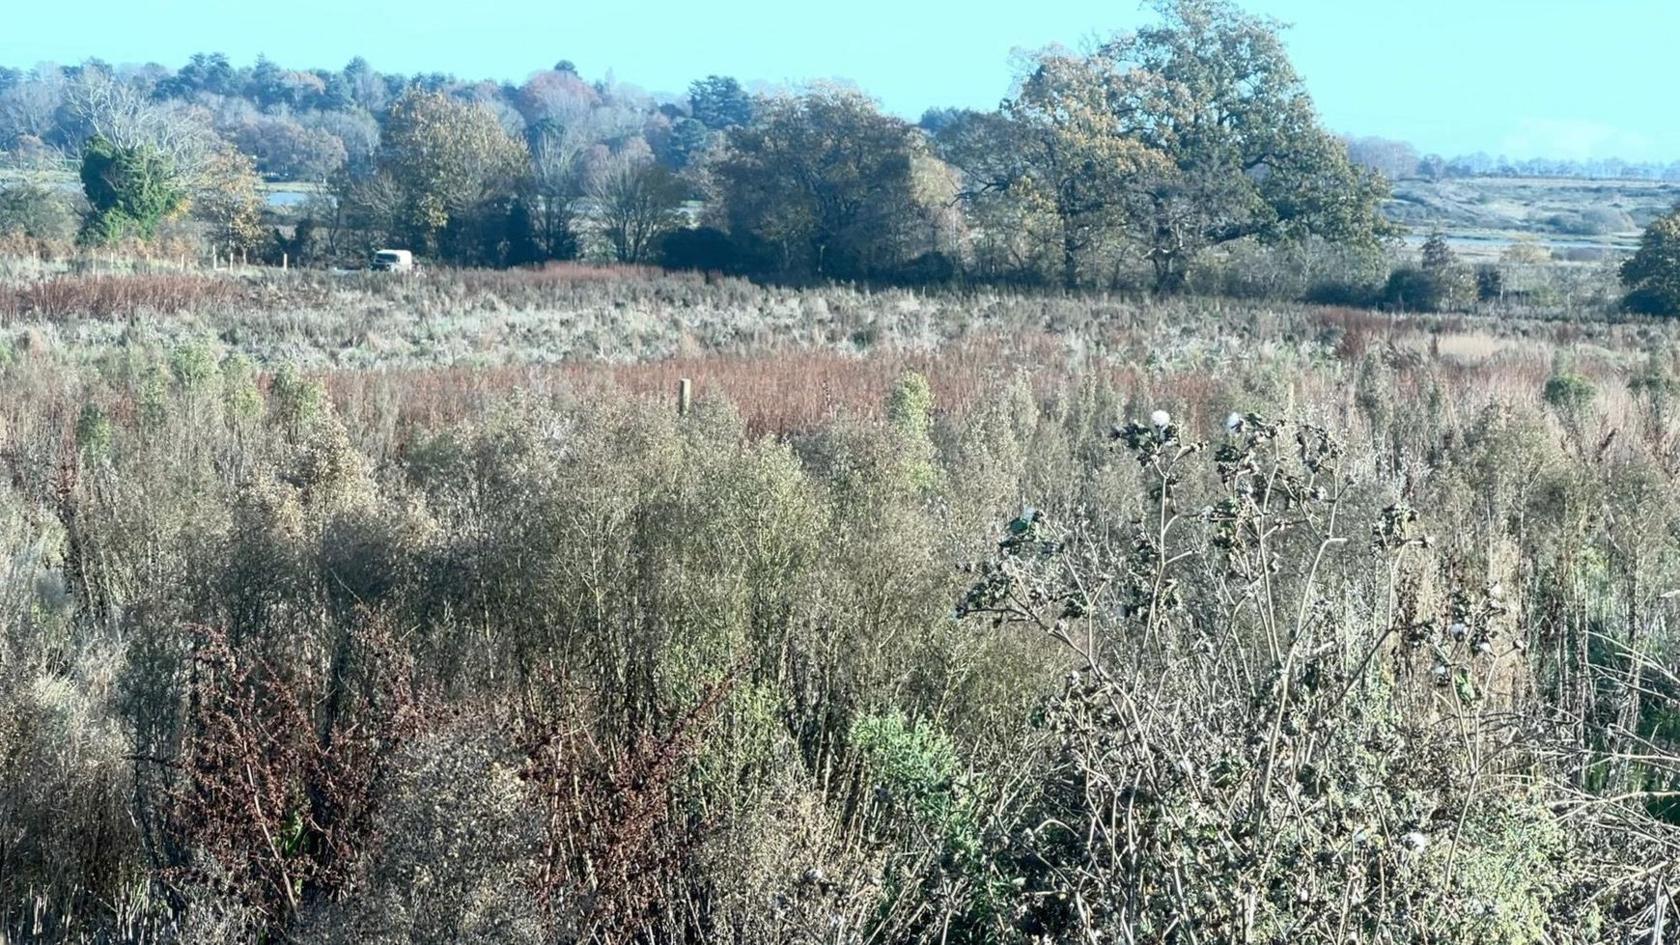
1483	215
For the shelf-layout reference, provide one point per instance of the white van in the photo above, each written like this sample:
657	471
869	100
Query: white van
393	260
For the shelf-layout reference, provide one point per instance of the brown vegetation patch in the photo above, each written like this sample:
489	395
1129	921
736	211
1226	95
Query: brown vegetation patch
109	297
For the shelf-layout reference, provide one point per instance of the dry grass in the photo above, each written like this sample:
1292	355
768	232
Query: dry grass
109	297
659	677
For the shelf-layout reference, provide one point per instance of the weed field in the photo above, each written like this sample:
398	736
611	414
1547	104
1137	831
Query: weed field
346	609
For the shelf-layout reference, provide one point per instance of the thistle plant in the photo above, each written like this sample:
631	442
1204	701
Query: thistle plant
1233	757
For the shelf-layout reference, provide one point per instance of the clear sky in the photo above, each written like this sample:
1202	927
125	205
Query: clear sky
1527	78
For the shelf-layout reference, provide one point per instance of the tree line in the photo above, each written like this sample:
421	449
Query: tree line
1398	160
1118	164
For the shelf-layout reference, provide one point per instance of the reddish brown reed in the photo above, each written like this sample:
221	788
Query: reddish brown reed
109	297
562	273
1358	329
777	391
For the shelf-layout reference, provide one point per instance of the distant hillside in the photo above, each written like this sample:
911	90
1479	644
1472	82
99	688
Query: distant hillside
1556	211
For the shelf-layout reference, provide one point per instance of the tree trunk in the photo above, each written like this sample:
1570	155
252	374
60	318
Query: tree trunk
1169	273
1070	257
1070	238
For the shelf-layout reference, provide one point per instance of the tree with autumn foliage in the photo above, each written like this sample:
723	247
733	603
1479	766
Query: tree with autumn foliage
1190	134
230	201
1062	154
1211	92
445	174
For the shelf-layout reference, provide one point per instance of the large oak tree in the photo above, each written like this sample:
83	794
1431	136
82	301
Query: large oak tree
1189	134
825	182
446	171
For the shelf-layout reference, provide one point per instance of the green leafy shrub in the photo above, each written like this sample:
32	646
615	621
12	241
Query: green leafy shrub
93	430
910	411
36	213
193	366
131	191
1569	394
298	400
1652	275
1426	290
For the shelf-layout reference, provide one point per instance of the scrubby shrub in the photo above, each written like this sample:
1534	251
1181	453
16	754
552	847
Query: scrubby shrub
517	653
1172	791
38	215
461	844
1313	270
64	780
1569	394
1425	290
93	430
1652	276
910	411
916	770
193	366
239	386
703	248
1593	221
1490	283
297	400
1347	294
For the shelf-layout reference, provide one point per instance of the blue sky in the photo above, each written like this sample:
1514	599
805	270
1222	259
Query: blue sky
1550	78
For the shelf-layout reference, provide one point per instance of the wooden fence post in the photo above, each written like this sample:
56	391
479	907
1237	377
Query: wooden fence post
685	396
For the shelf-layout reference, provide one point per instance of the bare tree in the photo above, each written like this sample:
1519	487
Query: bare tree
27	109
557	100
636	202
122	114
1395	160
557	179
